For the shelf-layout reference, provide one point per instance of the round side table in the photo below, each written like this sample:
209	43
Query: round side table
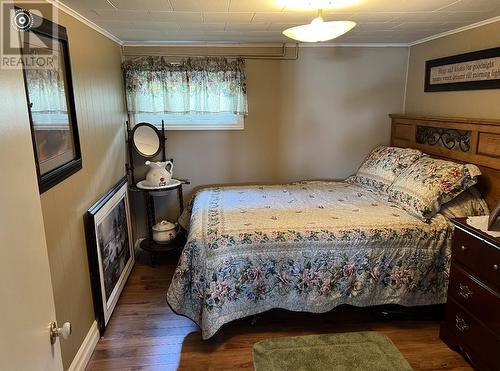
148	244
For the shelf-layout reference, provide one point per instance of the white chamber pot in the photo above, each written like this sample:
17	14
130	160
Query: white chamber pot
164	231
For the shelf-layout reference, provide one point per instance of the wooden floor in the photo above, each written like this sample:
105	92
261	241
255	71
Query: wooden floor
144	334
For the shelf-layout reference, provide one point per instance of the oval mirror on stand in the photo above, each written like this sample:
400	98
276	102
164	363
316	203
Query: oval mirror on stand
146	140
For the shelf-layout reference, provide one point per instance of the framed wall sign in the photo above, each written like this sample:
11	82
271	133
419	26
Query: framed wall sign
469	71
51	104
110	249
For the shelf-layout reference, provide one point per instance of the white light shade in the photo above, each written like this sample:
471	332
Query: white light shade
318	30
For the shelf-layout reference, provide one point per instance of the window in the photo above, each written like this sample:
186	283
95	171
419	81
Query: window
194	121
196	94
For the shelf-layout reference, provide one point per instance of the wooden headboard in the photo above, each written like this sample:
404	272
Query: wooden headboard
475	141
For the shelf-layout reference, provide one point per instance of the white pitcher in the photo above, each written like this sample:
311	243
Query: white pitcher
158	175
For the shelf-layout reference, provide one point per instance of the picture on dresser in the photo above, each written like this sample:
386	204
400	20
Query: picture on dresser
110	249
494	219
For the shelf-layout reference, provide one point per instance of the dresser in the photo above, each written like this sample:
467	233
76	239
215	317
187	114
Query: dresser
472	320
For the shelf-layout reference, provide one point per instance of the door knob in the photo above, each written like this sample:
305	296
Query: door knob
55	332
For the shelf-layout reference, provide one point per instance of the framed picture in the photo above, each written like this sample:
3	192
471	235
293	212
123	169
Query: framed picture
494	219
51	103
469	71
110	249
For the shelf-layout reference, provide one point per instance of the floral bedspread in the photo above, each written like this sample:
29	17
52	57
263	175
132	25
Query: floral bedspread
307	246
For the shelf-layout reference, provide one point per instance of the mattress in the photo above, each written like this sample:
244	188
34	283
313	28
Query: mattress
307	246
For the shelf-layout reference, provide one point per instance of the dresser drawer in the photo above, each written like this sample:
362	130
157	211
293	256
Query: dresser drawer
479	344
480	257
480	301
491	272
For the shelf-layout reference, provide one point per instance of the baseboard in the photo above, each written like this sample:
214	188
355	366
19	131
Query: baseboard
83	355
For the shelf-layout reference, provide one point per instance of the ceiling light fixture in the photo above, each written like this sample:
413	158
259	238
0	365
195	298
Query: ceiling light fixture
318	30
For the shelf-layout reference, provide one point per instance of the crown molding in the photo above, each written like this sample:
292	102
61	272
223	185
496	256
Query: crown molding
66	9
353	45
222	44
211	44
456	30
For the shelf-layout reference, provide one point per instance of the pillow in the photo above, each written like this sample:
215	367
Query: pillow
383	165
467	203
429	183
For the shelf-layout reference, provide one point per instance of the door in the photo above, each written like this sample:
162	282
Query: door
27	303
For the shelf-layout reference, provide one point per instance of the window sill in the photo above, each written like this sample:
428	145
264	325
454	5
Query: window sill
205	127
191	122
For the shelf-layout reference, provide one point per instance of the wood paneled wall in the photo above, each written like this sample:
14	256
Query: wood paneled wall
100	110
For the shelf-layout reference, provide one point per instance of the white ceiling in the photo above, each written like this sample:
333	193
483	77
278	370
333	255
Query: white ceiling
379	21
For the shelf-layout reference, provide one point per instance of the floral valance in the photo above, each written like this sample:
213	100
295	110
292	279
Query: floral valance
196	85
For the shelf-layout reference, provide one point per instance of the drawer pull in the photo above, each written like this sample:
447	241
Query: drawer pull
495	267
465	292
461	324
463	248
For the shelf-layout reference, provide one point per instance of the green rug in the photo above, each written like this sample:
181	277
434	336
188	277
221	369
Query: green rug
349	351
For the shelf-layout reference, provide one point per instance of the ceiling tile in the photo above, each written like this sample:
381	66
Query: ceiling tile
122	15
157	26
284	17
88	4
374	16
376	26
255	6
419	5
338	17
439	16
116	24
476	5
368	6
381	21
141	5
420	27
241	17
256	26
200	5
177	16
203	26
280	27
128	34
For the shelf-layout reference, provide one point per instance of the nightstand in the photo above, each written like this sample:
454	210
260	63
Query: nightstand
472	321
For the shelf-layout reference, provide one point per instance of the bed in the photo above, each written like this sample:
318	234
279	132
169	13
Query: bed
305	246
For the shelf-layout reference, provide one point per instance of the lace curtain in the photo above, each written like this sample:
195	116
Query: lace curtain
46	91
202	85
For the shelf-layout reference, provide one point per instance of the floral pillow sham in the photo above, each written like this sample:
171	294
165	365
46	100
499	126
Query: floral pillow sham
429	183
383	165
467	203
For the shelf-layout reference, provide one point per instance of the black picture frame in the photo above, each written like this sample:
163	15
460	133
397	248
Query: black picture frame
50	178
96	216
466	57
494	219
